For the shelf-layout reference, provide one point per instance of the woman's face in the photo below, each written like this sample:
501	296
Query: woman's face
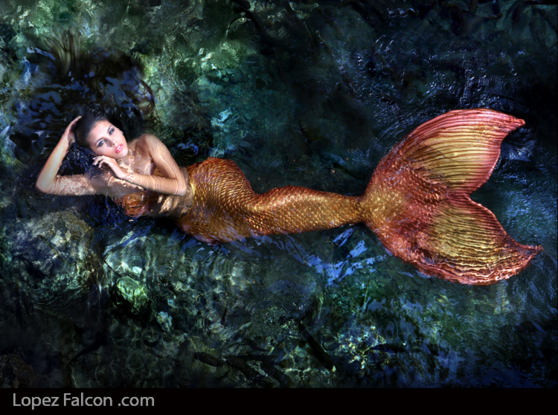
107	140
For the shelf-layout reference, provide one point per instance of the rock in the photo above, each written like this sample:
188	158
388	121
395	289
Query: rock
133	292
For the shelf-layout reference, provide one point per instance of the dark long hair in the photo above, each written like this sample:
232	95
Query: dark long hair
79	159
80	156
85	124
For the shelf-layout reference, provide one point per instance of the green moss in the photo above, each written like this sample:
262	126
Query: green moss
133	292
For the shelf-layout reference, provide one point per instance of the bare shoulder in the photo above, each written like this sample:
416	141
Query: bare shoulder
147	140
150	145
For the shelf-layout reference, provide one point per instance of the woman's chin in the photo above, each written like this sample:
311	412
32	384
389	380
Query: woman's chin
122	154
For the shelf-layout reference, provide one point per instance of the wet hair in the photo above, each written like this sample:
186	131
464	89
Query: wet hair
80	156
79	160
87	122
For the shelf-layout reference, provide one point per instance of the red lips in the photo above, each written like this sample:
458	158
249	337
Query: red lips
119	148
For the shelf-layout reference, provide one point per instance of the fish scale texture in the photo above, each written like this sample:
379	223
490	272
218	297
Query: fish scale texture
417	202
420	206
237	212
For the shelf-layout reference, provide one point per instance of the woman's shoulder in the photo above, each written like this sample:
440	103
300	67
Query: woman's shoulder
146	143
146	138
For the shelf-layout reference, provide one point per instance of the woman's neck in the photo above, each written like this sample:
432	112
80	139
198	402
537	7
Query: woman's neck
127	160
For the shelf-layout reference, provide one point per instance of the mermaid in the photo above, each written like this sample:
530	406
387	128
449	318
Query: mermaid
417	201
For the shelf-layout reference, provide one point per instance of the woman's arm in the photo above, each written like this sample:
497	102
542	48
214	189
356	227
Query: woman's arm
173	182
49	181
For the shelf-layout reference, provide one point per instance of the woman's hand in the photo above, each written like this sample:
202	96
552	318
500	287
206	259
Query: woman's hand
49	181
111	163
69	132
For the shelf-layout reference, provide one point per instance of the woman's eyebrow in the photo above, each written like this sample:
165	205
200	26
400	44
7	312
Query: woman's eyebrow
103	138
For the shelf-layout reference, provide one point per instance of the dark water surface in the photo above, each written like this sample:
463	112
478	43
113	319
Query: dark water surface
296	93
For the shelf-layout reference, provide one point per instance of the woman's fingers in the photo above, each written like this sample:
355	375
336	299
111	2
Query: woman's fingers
99	160
75	120
68	132
69	127
111	163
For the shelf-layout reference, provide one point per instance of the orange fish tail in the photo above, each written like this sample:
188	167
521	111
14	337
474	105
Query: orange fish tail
226	209
418	200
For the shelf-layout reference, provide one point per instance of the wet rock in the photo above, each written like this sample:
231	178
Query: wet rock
318	93
164	320
56	256
282	303
132	292
15	372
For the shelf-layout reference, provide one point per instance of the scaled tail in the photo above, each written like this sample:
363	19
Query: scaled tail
418	201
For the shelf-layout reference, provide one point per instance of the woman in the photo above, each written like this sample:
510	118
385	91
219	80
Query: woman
417	201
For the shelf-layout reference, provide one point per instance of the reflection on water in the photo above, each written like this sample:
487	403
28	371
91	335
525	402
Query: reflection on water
308	94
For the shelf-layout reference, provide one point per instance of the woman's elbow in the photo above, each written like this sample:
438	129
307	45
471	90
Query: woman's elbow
41	187
182	189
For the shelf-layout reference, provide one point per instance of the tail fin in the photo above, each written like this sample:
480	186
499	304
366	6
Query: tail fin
418	200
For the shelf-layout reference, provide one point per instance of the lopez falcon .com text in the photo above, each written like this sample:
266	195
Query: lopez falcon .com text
69	399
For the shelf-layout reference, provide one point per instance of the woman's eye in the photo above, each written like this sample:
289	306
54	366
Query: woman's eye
100	143
111	131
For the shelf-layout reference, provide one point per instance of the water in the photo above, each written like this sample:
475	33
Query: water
308	94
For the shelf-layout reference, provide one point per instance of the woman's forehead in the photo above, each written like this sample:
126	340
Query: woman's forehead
99	129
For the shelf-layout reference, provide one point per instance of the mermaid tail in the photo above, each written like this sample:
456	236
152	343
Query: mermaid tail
225	208
418	200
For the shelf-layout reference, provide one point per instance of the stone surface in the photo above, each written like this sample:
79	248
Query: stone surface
297	93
